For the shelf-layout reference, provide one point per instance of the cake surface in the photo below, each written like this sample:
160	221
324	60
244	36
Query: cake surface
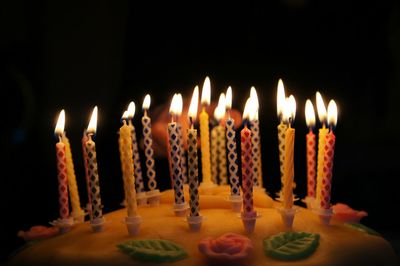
338	244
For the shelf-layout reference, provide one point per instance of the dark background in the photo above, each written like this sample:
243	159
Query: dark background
70	55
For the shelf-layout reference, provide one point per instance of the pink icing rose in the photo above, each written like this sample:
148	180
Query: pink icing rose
229	246
344	213
38	232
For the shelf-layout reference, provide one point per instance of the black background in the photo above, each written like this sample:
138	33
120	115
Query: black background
76	55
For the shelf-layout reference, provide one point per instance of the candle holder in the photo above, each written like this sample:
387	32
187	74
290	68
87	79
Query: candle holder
97	224
153	197
180	209
195	222
236	201
141	198
287	216
133	224
324	215
249	220
63	224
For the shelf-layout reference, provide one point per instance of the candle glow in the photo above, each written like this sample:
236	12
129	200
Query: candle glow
59	129
310	115
131	110
146	102
321	109
206	92
332	113
219	111
281	98
228	98
192	113
93	122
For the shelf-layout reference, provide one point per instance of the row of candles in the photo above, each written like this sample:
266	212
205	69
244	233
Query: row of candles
214	164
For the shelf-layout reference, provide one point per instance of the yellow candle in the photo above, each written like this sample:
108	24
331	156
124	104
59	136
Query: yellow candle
125	150
219	114
282	127
72	186
205	133
321	142
287	191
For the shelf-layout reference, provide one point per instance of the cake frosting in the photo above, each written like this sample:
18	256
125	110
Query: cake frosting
337	243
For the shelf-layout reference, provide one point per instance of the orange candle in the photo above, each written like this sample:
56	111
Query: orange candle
310	153
62	168
329	150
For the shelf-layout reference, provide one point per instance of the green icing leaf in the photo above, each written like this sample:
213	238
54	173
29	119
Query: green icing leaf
153	250
362	228
291	245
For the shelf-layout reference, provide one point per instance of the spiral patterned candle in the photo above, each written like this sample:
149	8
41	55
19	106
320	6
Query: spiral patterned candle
85	164
62	180
175	145
214	155
72	186
183	155
281	144
149	152
320	163
125	150
256	153
287	190
193	172
232	157
221	143
247	173
311	164
329	151
94	178
136	160
205	146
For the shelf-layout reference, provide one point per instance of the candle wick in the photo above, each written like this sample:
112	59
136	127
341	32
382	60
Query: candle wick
191	122
60	138
145	112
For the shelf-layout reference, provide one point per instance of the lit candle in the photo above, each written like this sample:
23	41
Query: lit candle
287	191
231	146
192	156
256	142
90	145
62	168
174	142
321	142
329	150
180	134
282	127
218	148
205	133
85	164
310	140
246	154
125	151
148	145
135	152
77	212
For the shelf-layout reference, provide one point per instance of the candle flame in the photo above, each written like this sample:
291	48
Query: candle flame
131	110
250	110
253	94
332	113
228	98
176	104
292	107
281	99
192	113
286	113
310	115
146	102
93	122
321	109
219	111
125	115
206	92
59	130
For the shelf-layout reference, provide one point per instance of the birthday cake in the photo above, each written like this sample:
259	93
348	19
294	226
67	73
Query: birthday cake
165	238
